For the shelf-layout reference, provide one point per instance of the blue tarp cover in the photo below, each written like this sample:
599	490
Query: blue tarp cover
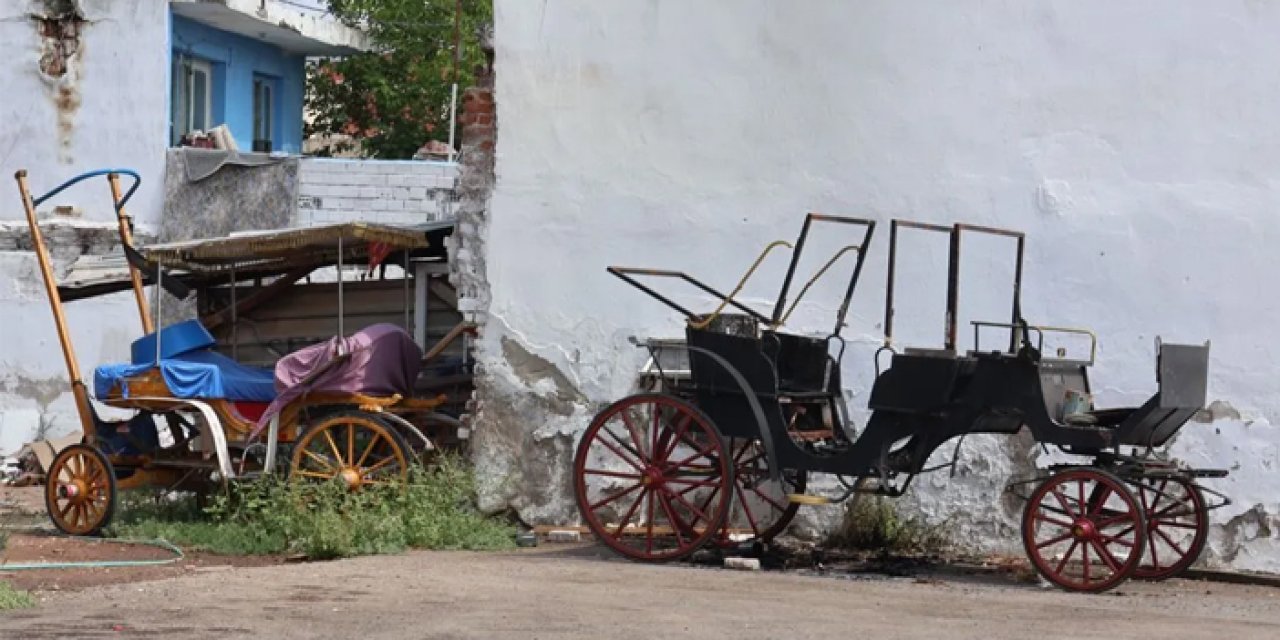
197	374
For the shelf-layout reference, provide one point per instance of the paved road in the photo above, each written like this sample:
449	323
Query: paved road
559	592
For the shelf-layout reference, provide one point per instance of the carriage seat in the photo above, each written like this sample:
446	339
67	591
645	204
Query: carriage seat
190	367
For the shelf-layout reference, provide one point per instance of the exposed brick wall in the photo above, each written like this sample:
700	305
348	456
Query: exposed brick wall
389	191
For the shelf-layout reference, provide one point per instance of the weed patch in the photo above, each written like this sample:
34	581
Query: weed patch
324	520
871	523
11	598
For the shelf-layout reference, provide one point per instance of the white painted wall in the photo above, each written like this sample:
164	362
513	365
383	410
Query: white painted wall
119	88
1136	144
385	191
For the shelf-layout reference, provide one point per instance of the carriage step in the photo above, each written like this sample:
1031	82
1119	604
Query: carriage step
804	498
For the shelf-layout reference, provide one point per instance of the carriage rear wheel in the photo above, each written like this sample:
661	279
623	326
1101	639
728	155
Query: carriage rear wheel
1177	527
762	508
1084	530
357	449
80	492
652	479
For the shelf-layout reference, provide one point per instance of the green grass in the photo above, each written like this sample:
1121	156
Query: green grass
872	523
322	520
11	598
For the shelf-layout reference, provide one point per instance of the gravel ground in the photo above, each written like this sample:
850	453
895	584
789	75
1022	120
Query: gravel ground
580	592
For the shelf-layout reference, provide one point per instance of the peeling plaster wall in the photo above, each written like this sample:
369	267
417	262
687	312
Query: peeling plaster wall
1137	147
85	87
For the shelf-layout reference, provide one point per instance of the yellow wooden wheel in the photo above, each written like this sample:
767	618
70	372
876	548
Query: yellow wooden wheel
356	449
80	490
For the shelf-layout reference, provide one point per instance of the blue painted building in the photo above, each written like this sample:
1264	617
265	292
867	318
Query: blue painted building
242	63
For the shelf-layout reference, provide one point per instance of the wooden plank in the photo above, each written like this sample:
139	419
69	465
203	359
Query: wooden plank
258	297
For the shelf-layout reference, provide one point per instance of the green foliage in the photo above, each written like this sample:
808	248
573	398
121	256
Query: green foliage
11	598
395	98
323	520
873	524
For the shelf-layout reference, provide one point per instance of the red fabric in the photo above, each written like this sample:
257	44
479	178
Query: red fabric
251	410
378	251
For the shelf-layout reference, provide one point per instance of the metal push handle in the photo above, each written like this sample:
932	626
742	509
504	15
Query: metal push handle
778	317
705	322
137	181
626	273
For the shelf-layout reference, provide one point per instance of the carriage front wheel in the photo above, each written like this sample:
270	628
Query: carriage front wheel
652	478
80	490
1084	530
355	448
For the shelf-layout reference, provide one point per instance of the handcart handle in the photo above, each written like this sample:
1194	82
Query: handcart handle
809	219
625	274
137	181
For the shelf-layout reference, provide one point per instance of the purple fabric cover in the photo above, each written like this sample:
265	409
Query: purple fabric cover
384	361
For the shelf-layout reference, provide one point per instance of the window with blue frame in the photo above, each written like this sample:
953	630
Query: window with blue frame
265	109
192	97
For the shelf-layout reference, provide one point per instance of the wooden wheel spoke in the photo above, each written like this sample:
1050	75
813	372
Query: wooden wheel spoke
1062	500
615	496
1043	518
677	525
746	508
368	449
337	455
622	523
635	462
1067	556
1084	554
636	436
1101	493
768	499
701	453
351	442
696	511
314	474
1054	540
380	464
681	432
317	458
612	474
649	538
1106	556
1171	543
1155	558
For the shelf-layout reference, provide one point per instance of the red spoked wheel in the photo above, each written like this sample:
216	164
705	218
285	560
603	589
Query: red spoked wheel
1084	530
1177	527
762	508
652	479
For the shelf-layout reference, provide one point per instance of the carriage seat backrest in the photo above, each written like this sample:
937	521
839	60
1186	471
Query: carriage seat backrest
801	362
1056	379
1184	373
743	354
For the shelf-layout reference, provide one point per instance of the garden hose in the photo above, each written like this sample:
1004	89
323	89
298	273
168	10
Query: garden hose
94	564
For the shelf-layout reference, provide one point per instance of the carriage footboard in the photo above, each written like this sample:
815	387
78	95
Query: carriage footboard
1182	373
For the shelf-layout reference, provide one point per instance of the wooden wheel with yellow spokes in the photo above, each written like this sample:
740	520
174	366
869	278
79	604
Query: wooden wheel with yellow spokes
80	490
357	449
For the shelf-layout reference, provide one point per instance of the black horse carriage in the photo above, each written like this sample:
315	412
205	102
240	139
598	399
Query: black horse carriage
718	452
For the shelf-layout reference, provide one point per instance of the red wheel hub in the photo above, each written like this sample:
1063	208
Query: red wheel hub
653	477
1084	529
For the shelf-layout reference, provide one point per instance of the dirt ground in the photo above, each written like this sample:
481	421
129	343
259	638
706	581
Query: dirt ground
580	591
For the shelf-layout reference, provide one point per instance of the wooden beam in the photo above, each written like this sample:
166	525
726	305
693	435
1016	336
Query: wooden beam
439	347
442	290
256	298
